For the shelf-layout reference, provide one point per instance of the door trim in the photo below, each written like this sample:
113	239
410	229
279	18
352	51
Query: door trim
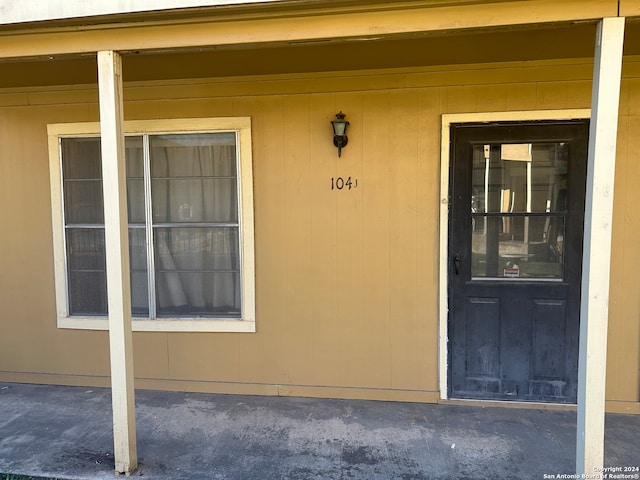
445	151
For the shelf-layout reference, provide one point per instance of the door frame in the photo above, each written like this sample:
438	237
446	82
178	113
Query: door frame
445	152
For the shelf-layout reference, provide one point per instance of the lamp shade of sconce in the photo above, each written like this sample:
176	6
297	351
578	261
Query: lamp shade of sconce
340	138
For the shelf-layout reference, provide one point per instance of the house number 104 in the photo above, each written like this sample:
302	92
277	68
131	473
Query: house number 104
340	183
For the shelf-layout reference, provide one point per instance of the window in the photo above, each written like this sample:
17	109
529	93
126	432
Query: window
189	204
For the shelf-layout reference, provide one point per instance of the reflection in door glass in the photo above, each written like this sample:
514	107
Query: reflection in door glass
518	210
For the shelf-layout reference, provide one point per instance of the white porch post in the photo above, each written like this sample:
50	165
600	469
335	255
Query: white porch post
117	253
594	308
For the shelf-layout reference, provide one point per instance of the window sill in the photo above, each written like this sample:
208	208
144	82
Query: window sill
163	325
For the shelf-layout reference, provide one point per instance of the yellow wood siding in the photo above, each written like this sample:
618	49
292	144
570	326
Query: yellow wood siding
624	304
346	280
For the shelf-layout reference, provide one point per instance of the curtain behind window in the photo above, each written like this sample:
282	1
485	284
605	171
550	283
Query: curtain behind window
195	225
195	218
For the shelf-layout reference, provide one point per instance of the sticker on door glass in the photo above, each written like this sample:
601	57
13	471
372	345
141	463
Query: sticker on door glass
511	271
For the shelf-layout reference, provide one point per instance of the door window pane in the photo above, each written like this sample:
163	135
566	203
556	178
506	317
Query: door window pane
518	210
519	178
496	255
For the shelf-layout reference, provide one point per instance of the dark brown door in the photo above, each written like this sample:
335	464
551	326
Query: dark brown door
516	223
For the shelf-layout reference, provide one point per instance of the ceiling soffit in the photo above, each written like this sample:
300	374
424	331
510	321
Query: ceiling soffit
294	23
566	42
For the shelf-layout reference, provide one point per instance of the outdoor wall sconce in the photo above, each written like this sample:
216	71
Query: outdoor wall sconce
340	138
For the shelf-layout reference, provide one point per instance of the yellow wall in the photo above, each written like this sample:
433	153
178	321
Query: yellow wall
623	360
346	282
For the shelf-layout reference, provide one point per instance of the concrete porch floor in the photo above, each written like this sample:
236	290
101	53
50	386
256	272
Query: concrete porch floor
65	432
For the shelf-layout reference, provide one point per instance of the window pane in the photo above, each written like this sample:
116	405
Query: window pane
135	201
135	179
85	248
193	155
135	157
139	278
520	178
83	202
82	176
86	271
197	271
219	295
194	178
517	246
81	158
186	200
87	293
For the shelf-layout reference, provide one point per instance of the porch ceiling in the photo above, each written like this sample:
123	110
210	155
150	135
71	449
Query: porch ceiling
561	41
373	53
503	45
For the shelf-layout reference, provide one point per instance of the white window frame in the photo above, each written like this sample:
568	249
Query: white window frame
241	126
